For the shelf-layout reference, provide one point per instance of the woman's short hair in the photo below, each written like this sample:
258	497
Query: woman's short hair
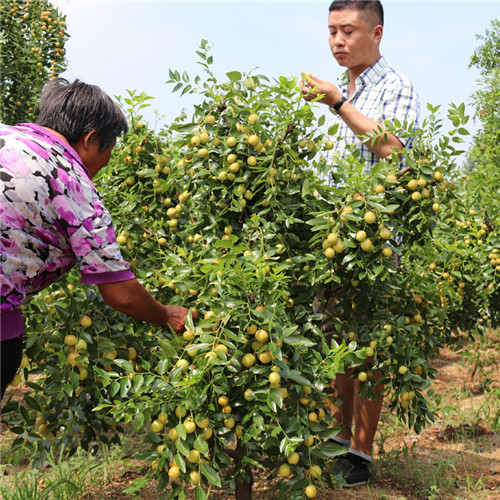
370	7
75	109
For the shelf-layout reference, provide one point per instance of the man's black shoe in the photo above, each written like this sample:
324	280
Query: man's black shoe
351	470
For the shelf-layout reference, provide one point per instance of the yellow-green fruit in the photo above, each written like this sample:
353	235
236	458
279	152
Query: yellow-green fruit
315	471
174	472
370	217
173	434
194	456
86	321
329	253
361	236
385	233
156	426
248	395
248	360
310	491
387	252
253	118
285	470
367	245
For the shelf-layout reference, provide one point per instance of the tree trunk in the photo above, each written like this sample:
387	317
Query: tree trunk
243	488
470	374
474	367
244	491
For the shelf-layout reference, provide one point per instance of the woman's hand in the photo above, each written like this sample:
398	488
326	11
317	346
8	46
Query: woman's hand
131	298
176	317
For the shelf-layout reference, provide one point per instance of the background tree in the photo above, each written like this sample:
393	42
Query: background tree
485	152
32	38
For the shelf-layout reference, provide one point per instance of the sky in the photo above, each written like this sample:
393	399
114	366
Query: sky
131	45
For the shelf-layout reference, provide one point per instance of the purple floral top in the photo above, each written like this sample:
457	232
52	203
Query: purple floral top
51	217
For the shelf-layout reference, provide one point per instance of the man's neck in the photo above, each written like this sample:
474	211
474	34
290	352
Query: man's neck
355	71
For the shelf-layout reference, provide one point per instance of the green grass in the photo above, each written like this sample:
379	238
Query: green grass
60	478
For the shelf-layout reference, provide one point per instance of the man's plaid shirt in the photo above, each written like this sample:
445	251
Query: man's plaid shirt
381	94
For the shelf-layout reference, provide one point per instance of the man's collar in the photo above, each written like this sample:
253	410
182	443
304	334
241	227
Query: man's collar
370	75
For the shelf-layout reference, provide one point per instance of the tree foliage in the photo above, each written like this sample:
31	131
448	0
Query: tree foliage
32	39
224	211
485	153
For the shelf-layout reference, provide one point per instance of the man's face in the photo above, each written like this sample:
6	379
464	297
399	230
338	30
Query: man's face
353	40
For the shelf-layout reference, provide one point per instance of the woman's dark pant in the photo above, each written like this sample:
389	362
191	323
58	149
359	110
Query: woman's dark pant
11	353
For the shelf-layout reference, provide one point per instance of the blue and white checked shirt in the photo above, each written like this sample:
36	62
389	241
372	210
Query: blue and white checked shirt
381	94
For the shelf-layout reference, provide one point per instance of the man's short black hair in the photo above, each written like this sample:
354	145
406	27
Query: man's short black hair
75	109
373	7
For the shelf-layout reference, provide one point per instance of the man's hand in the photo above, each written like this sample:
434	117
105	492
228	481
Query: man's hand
312	87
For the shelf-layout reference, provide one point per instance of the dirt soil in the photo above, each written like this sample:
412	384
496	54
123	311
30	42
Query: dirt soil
458	457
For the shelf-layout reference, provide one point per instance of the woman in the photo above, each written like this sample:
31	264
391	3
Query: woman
51	215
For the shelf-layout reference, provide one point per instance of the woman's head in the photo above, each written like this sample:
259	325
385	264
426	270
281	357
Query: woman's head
76	109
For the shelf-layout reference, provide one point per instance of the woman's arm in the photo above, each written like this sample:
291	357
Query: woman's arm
131	298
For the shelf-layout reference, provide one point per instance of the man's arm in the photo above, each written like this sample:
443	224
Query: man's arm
354	119
131	298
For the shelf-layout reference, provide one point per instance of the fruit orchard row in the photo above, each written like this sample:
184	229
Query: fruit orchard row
226	213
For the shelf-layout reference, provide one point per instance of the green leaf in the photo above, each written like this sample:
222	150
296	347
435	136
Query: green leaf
234	76
161	368
333	129
305	188
297	377
147	172
298	340
125	364
199	493
114	388
201	445
330	449
125	384
138	421
276	397
182	446
210	474
74	379
181	430
32	403
168	349
138	381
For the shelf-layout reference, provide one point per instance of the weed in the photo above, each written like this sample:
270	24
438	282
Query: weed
62	478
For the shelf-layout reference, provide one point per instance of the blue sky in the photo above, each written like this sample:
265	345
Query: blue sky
122	45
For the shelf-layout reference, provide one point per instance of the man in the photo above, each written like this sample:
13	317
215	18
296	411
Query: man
369	93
